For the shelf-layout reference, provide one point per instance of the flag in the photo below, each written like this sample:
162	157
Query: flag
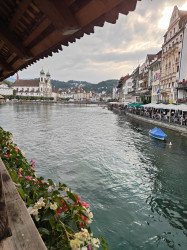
157	90
117	91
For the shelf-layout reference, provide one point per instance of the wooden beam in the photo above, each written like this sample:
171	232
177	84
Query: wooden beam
5	66
59	14
41	27
18	14
1	44
96	8
14	44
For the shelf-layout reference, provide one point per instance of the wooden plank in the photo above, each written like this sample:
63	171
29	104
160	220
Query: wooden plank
5	66
4	225
13	43
96	8
41	27
18	14
24	232
1	44
59	14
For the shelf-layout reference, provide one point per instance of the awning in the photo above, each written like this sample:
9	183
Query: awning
182	107
134	104
1	97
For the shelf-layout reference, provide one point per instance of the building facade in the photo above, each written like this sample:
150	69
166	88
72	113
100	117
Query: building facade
34	87
155	77
5	89
171	54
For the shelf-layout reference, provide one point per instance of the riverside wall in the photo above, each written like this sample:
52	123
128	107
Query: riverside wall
176	127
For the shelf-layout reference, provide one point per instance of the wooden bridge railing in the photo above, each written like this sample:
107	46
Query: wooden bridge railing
17	229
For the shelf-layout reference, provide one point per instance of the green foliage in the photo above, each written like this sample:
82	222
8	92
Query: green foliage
145	100
60	216
18	97
7	82
99	87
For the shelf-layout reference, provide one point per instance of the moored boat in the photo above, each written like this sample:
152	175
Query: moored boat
157	133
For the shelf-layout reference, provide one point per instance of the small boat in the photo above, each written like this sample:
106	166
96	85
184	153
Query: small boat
157	133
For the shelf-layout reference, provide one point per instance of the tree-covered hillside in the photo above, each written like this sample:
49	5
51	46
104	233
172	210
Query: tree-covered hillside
101	86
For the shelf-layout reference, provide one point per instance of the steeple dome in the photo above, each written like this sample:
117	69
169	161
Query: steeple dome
48	74
42	72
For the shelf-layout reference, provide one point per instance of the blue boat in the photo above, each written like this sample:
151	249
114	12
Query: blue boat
157	133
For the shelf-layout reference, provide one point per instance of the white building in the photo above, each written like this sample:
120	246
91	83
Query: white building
39	87
5	89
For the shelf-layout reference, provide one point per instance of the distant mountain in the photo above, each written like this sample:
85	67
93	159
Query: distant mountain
11	79
107	86
101	86
79	82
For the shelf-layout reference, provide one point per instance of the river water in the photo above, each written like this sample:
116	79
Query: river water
136	185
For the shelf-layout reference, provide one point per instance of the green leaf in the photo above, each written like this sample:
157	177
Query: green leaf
21	192
70	223
72	196
14	175
51	183
49	214
57	199
43	231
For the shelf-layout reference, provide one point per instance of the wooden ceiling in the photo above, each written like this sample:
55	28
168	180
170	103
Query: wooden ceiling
32	29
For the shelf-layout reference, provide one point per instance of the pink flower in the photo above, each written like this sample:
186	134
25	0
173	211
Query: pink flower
89	248
28	177
33	162
78	198
20	175
42	181
84	204
16	149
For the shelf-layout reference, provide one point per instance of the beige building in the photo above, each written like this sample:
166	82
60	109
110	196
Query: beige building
155	76
171	50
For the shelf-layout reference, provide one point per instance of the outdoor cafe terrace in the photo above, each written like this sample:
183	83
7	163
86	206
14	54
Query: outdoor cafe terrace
170	113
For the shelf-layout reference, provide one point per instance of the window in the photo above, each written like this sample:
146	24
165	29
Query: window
170	34
177	68
174	31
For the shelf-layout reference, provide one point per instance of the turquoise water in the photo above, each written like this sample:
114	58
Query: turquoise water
136	185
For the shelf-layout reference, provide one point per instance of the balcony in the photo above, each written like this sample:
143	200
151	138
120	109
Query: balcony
182	86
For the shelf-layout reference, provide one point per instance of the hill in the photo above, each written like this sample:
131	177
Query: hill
99	87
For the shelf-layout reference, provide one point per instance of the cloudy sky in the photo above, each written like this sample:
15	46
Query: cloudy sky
115	49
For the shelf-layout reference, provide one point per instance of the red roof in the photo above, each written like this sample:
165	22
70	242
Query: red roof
26	83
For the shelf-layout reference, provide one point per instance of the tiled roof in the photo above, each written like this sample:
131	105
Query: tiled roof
26	83
55	90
